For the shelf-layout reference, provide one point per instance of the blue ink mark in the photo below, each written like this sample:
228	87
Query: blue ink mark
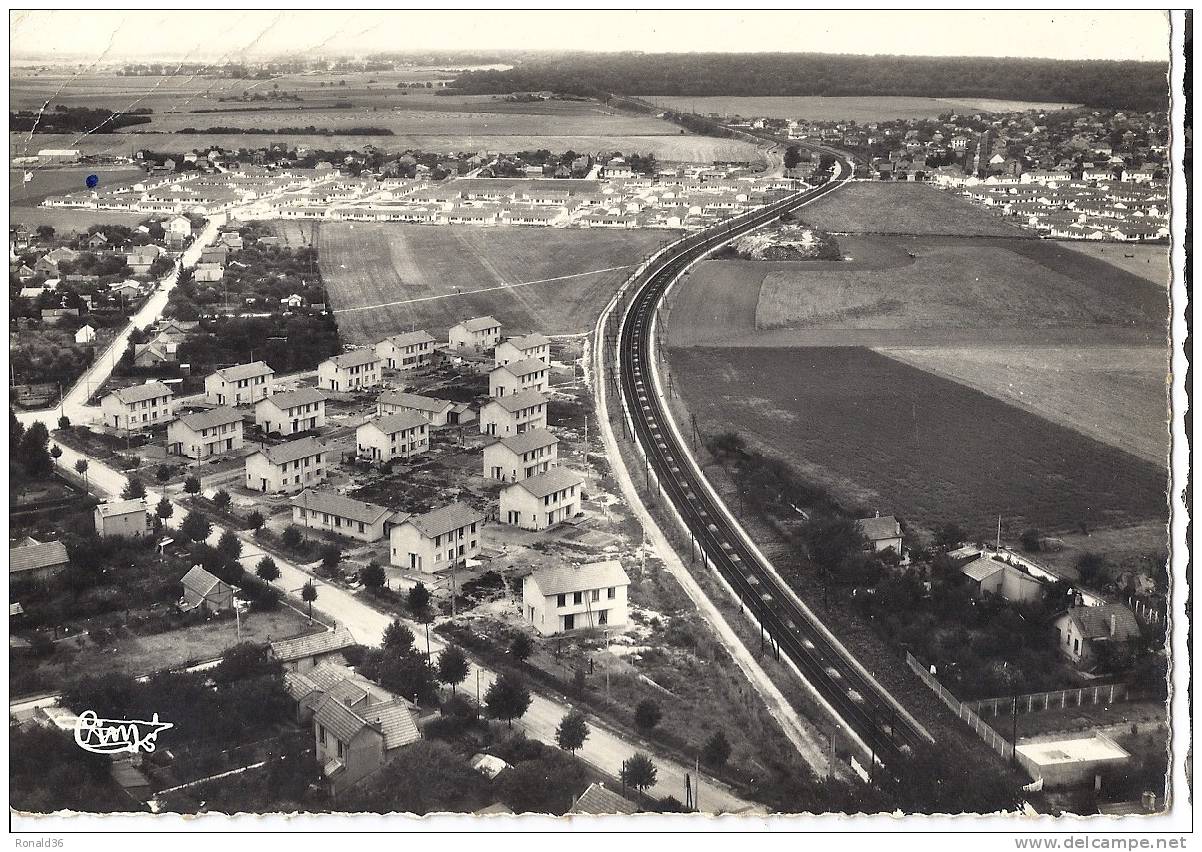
91	181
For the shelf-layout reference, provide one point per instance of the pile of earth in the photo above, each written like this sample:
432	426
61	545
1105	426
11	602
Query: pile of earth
787	241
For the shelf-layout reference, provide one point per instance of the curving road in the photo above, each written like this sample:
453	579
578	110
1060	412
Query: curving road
876	721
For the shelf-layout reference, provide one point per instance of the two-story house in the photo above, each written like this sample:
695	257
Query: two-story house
290	412
514	414
205	433
324	510
393	436
355	741
128	518
287	468
517	457
436	412
241	384
516	376
542	500
408	351
479	333
1081	631
354	370
137	407
532	346
443	538
569	597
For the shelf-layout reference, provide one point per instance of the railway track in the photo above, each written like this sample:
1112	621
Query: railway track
880	725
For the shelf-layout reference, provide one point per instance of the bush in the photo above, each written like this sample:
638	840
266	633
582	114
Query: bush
221	499
1030	539
372	575
292	537
647	714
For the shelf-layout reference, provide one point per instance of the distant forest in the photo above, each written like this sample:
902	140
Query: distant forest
63	119
1140	86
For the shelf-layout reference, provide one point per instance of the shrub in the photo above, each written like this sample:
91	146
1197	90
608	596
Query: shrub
647	714
292	537
221	499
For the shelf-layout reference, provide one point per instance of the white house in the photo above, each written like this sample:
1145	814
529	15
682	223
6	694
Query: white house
437	412
882	533
138	406
241	384
514	414
122	517
542	500
323	510
353	370
516	457
179	225
532	346
205	433
287	468
569	597
290	412
530	374
85	334
479	333
444	538
393	436
408	351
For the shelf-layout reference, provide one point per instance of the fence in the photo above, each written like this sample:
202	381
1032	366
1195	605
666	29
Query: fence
991	737
1058	700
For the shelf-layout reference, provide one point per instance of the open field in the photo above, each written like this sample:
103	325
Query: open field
905	441
1114	394
386	278
1150	262
861	109
868	207
59	181
666	148
65	219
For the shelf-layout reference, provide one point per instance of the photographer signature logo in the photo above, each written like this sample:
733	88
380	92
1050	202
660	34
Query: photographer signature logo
113	736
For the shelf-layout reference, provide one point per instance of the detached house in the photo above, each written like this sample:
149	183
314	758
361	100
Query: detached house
436	412
355	740
241	384
304	653
438	540
516	376
138	406
409	351
323	510
882	533
568	597
532	346
514	414
542	500
517	457
479	334
290	412
1083	630
37	562
349	371
286	468
205	433
204	591
122	517
393	436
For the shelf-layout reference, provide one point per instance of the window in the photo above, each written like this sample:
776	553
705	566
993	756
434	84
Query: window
596	594
321	734
341	752
603	616
561	600
577	597
613	593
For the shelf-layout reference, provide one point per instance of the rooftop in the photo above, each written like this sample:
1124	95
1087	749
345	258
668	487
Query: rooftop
524	367
293	398
1096	622
479	323
1077	750
238	372
600	800
219	416
355	358
410	338
390	423
531	439
199	580
414	401
517	401
445	518
550	481
121	507
530	341
343	507
293	450
879	528
34	556
560	579
325	642
138	393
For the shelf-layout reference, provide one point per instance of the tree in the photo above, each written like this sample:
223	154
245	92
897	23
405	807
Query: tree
507	698
521	647
164	509
244	661
33	453
15	430
372	575
56	453
292	537
64	422
398	638
716	750
638	772
950	535
647	714
255	520
419	597
229	546
192	485
331	555
162	473
195	527
134	489
452	667
410	675
267	570
572	731
792	157
308	595
81	467
221	499
1089	566
1030	539
831	537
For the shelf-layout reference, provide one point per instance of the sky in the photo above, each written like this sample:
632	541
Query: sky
234	34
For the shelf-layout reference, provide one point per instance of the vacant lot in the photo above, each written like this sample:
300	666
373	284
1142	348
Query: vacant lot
904	208
842	109
906	441
1114	394
1150	262
386	278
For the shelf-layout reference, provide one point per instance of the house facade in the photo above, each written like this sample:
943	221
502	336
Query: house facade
517	457
514	414
393	436
409	351
882	533
137	407
290	412
354	742
516	376
287	468
569	597
129	518
241	384
1081	631
205	433
542	500
436	412
304	653
329	512
349	371
444	538
479	333
532	346
203	591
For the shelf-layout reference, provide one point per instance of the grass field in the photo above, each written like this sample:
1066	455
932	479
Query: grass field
1150	262
862	109
905	441
386	278
1116	394
60	181
904	208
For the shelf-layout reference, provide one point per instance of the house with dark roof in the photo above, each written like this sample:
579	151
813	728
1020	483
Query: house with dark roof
542	500
287	468
205	433
204	591
355	742
354	690
882	533
1081	631
569	597
438	540
305	653
599	800
333	513
37	562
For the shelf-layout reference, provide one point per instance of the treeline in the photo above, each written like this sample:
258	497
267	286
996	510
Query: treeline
63	119
290	131
1117	85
